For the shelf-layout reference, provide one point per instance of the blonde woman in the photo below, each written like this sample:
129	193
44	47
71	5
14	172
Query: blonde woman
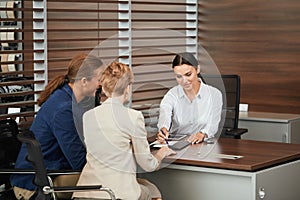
116	142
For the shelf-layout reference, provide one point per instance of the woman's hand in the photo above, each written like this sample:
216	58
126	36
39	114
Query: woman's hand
197	138
162	135
167	151
163	152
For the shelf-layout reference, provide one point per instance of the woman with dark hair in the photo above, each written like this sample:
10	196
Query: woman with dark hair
192	107
54	126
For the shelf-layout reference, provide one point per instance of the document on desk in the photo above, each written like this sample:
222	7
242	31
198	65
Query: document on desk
157	144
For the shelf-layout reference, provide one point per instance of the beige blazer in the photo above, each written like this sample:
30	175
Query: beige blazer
116	141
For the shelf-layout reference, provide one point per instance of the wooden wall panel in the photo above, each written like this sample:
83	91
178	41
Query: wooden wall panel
260	41
256	39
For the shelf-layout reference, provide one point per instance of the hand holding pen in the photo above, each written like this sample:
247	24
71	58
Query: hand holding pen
162	136
166	138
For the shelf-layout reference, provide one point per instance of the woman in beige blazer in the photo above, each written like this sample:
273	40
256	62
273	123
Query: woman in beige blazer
116	142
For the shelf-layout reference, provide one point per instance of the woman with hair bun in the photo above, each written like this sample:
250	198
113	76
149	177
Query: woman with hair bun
192	107
116	141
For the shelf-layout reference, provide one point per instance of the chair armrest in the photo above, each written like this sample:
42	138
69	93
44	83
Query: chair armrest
85	188
62	172
76	188
17	171
31	171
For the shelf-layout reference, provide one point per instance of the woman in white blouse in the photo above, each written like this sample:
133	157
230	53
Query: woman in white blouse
116	142
192	107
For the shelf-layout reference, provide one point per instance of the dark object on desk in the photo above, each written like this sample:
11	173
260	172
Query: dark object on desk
229	85
45	190
9	149
180	144
176	137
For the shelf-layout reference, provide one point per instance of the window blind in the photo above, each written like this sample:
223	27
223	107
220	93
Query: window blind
141	33
160	29
17	73
78	26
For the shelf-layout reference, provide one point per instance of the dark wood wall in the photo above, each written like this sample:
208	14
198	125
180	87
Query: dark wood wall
260	41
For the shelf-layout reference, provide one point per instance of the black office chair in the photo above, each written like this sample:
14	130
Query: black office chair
229	85
9	149
45	190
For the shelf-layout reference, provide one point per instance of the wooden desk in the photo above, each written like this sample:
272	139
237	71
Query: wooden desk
267	170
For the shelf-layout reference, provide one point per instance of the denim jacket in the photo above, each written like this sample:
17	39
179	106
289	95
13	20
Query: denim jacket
54	127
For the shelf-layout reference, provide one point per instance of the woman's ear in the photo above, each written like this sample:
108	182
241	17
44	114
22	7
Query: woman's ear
127	92
198	69
83	81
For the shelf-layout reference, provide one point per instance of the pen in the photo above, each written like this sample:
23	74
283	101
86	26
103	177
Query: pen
165	138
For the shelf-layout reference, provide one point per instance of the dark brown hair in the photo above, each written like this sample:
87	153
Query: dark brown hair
185	58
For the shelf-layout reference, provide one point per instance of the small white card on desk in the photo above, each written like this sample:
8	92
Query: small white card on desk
227	156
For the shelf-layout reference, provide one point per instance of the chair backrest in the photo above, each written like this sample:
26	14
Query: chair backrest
9	147
35	156
229	85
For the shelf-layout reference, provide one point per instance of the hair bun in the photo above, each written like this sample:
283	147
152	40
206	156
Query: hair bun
115	70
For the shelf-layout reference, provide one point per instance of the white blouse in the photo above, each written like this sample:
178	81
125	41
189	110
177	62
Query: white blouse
180	115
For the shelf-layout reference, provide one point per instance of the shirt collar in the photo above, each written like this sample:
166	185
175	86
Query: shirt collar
112	101
67	89
201	89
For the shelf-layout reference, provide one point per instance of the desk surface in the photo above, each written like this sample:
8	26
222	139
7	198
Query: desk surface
257	155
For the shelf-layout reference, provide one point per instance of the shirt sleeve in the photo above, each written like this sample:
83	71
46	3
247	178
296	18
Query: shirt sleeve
165	112
141	148
215	111
69	141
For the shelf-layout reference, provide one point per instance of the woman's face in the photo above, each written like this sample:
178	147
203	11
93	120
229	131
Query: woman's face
93	84
186	76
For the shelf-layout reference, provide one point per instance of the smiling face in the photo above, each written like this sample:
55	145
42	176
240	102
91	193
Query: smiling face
186	76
